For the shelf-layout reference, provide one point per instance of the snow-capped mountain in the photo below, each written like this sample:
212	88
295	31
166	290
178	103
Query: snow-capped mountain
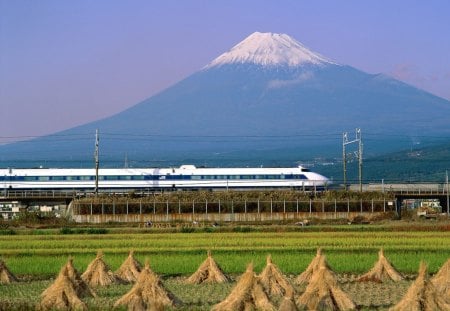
268	93
269	49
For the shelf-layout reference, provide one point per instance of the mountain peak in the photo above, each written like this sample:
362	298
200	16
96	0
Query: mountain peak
269	49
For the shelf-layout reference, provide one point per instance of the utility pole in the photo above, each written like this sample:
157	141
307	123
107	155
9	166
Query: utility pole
448	200
344	158
96	161
345	141
360	152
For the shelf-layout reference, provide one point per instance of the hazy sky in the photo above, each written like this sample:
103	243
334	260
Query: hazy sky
66	63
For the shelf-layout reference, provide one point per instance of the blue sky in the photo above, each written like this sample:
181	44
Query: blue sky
66	63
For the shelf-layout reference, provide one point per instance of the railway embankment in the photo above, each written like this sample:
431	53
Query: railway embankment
231	206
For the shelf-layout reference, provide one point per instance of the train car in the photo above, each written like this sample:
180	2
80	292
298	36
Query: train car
184	177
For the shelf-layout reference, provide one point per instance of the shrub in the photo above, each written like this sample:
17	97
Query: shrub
209	229
66	230
7	232
243	229
96	231
187	230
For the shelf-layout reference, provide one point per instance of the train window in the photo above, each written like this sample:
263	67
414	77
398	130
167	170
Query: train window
87	177
196	177
124	177
137	177
44	178
57	178
15	178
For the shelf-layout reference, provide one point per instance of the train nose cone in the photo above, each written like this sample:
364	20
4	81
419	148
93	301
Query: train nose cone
322	179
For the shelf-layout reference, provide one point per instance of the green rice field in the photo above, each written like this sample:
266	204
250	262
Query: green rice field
41	256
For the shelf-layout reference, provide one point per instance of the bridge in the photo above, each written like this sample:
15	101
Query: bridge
30	196
412	191
400	191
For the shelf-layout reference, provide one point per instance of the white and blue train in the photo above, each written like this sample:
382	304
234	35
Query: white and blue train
184	177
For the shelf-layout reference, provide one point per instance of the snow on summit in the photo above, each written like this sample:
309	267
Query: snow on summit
270	49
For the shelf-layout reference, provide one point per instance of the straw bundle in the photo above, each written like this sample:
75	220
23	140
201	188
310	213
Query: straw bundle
81	287
208	272
98	273
306	276
130	269
248	294
323	292
6	276
147	294
273	280
288	303
441	280
421	295
381	271
62	294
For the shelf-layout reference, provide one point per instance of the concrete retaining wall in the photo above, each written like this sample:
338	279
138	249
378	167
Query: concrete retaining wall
216	217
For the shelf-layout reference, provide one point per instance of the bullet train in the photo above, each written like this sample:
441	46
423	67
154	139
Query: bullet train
184	177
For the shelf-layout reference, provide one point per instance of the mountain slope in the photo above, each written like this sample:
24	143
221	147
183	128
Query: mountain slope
267	93
425	164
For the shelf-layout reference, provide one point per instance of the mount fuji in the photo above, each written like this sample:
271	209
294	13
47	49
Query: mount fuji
269	98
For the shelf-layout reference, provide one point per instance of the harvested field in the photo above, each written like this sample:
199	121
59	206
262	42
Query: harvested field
369	296
36	260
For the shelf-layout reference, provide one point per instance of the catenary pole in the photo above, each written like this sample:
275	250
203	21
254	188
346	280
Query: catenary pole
360	157
448	200
96	161
344	158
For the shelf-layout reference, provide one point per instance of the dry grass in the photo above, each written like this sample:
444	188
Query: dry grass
323	292
208	272
288	303
441	280
366	295
382	271
66	292
273	280
6	276
306	276
421	295
148	293
81	287
98	273
130	269
248	294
